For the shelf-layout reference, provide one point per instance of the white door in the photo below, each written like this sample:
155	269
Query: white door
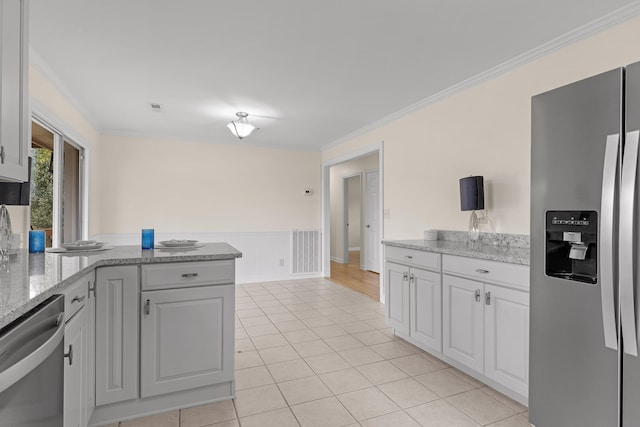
463	321
173	322
396	281
426	308
507	337
372	226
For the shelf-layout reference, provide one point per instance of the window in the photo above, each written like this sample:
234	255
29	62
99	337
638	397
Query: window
56	184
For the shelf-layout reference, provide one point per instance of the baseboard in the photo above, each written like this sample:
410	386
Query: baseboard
337	259
355	248
266	256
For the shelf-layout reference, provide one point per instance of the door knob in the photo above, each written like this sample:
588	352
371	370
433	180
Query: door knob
368	226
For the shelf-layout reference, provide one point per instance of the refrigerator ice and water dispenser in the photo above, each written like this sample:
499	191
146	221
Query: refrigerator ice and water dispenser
571	245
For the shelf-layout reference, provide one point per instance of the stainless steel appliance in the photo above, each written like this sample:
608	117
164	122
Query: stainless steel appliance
585	223
32	369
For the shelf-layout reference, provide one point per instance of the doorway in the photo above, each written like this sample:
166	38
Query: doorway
347	249
352	222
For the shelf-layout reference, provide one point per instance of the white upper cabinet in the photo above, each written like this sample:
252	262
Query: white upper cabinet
15	116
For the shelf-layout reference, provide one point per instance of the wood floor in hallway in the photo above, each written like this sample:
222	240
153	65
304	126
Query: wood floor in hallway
351	276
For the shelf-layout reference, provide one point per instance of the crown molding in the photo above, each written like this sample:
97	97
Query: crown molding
603	23
42	66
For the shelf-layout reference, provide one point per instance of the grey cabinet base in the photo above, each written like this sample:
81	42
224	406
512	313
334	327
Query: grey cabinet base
136	408
488	381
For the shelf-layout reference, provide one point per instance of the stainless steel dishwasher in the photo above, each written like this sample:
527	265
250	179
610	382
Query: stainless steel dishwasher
32	369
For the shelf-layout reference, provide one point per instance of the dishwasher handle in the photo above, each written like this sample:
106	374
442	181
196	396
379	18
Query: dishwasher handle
19	370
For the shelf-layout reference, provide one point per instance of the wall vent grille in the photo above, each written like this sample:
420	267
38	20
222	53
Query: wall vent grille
305	251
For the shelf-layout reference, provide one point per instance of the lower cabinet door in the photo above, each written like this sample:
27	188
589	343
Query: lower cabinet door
396	282
187	338
426	308
507	338
74	370
117	293
463	317
90	362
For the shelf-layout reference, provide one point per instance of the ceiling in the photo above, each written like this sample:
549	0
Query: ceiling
307	72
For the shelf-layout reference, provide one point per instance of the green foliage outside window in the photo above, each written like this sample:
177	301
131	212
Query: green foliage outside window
42	190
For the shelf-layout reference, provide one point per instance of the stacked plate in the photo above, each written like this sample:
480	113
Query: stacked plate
178	244
83	245
80	246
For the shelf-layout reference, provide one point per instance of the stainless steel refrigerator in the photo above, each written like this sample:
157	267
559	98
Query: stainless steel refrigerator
585	207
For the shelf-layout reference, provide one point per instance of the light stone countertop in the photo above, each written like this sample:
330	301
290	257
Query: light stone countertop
28	279
510	254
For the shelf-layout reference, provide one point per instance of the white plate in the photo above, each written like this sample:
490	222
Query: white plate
77	251
178	243
82	246
178	248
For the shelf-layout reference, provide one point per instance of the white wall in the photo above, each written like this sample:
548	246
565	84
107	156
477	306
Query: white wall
250	197
484	130
336	194
180	186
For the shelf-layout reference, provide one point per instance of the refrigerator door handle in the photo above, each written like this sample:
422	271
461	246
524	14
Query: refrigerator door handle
607	209
626	257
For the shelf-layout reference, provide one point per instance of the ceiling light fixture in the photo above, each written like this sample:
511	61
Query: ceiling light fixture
241	127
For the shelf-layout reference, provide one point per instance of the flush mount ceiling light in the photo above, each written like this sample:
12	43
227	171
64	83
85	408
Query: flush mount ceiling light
241	127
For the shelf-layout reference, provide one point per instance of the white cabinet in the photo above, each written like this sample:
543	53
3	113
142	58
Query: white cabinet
78	341
425	311
90	361
117	296
164	337
396	281
15	117
74	370
413	295
186	338
486	325
470	312
463	321
507	337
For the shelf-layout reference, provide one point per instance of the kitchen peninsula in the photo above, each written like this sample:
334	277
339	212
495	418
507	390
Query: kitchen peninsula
146	330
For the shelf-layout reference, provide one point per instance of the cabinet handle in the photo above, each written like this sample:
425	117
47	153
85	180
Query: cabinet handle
405	275
147	307
2	154
479	270
78	299
477	294
186	275
412	278
92	288
408	257
487	298
69	355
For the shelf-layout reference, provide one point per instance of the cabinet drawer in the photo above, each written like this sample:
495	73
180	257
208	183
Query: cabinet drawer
75	296
187	274
422	259
513	275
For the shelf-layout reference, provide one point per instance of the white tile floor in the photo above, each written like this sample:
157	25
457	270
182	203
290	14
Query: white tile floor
313	353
